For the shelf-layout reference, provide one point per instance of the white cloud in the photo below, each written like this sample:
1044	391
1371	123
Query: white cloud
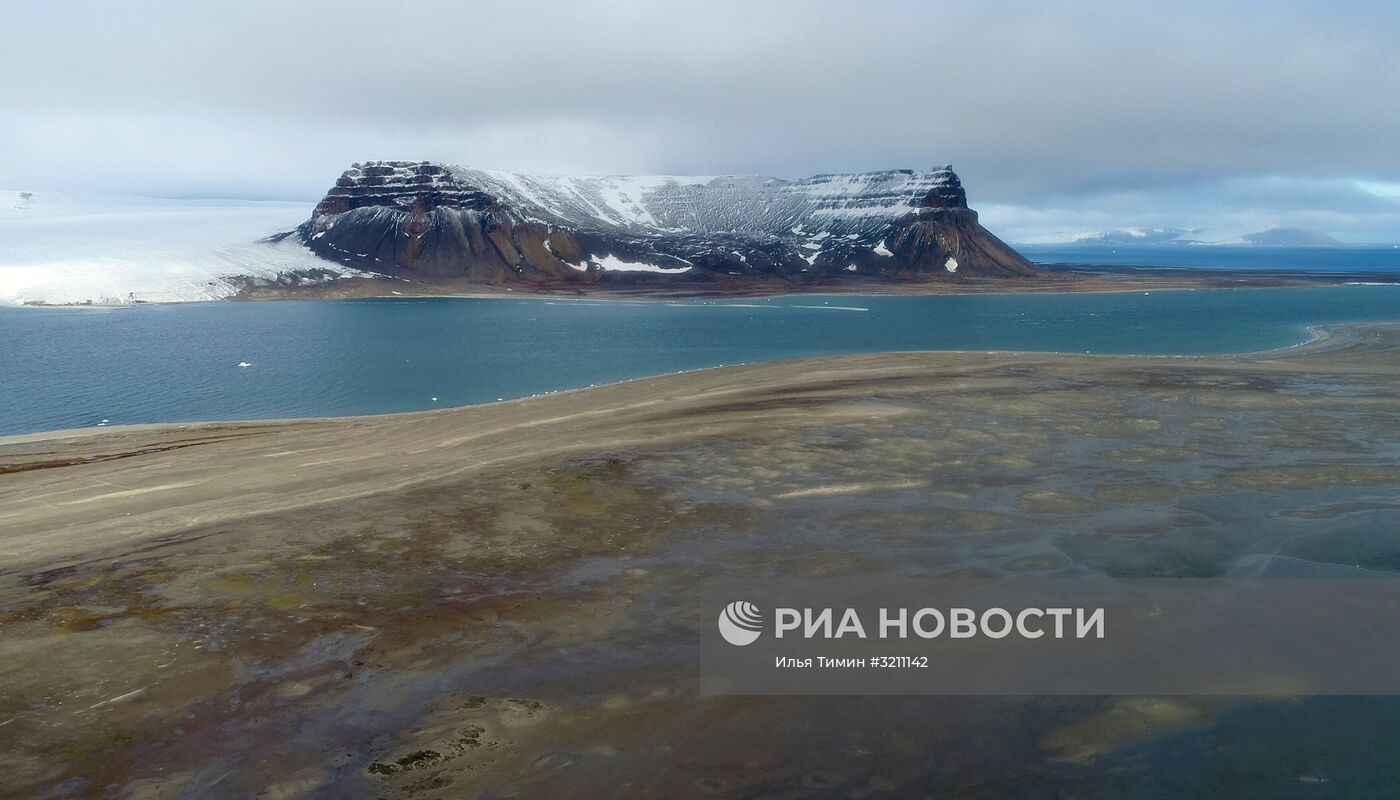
1035	105
1380	188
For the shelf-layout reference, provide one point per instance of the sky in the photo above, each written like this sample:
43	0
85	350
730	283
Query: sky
1226	116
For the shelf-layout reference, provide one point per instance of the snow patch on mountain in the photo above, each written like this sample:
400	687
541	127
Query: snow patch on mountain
612	263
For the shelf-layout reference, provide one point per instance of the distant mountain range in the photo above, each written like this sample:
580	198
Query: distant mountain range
1291	237
1122	236
448	224
1275	237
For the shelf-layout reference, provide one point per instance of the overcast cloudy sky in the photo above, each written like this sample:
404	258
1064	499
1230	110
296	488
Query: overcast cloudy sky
1230	116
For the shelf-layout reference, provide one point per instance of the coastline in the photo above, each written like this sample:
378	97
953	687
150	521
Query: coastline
525	427
1316	333
1055	278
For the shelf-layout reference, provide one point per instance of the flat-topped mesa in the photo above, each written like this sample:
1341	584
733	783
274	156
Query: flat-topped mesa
947	190
438	222
420	187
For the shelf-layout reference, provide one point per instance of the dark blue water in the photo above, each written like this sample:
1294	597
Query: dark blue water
1309	259
62	368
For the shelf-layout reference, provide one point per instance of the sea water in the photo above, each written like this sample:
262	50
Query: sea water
69	367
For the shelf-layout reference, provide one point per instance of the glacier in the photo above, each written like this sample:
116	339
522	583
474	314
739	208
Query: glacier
76	249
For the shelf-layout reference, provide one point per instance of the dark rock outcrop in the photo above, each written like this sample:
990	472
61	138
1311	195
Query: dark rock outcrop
433	222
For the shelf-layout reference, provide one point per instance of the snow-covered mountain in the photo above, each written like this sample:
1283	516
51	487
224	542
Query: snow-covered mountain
114	249
1123	236
663	204
1280	237
439	222
1290	237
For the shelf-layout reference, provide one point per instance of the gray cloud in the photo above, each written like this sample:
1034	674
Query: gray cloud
1039	106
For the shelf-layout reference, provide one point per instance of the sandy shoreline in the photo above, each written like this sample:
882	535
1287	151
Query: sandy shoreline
1316	335
336	458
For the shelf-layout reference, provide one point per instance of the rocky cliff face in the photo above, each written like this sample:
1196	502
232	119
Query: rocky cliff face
435	222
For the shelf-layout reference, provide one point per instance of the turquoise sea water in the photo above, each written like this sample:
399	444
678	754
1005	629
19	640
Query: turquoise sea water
62	368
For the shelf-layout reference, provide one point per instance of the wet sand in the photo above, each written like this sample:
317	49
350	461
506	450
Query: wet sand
484	601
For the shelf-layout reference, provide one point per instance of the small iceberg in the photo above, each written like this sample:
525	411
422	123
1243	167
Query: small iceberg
244	364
